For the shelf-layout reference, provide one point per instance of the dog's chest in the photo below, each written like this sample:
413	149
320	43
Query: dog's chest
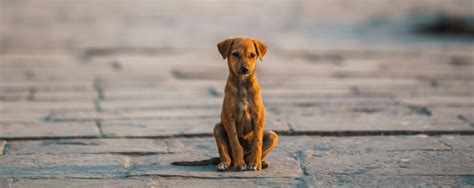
244	111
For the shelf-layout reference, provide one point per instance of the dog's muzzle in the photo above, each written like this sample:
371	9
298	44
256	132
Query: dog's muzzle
244	70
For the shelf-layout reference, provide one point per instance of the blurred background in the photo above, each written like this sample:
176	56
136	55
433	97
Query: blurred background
125	62
134	60
68	25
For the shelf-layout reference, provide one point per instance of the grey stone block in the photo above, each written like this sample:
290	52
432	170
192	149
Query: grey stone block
64	165
88	146
48	130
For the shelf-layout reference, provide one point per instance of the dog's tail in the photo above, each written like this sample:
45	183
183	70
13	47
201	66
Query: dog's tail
211	161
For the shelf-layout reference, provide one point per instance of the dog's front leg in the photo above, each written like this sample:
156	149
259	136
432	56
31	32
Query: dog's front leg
237	151
255	161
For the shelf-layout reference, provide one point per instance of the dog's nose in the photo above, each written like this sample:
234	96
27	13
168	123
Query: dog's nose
244	70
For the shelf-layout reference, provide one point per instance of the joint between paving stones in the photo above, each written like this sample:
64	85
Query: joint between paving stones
291	128
99	89
299	158
452	148
97	106
5	148
465	120
282	133
99	128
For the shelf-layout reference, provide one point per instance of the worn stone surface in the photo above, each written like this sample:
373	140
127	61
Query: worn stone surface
48	130
257	182
283	164
390	180
458	142
375	121
64	165
59	106
420	155
88	146
130	115
176	127
24	117
4	147
165	127
282	167
98	94
397	163
297	161
152	182
78	182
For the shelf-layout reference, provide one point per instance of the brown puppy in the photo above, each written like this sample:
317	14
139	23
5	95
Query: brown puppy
240	137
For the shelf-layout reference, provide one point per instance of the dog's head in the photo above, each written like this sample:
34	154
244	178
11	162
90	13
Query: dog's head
241	54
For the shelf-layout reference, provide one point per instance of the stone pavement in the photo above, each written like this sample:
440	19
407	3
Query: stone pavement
94	93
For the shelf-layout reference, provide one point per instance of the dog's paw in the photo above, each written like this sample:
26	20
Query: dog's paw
240	167
222	167
254	166
265	164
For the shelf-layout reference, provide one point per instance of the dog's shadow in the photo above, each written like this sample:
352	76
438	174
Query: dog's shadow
198	171
206	168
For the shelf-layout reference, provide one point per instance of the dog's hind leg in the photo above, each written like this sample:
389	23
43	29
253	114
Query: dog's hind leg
270	140
223	145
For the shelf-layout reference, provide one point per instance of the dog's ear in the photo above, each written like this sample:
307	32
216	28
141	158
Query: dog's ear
261	48
224	47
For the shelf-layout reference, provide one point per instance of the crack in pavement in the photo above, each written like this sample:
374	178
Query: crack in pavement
299	158
464	119
5	147
99	129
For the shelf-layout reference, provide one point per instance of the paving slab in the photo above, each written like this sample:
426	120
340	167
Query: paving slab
305	101
36	106
24	117
88	146
130	115
151	182
171	102
257	182
297	161
47	96
458	142
64	165
48	130
395	163
385	143
176	127
465	114
323	180
165	127
155	94
320	146
453	101
283	165
3	147
47	86
78	182
376	121
85	97
414	155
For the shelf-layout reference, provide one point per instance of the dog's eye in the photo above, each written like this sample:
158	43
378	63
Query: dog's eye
236	54
252	55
